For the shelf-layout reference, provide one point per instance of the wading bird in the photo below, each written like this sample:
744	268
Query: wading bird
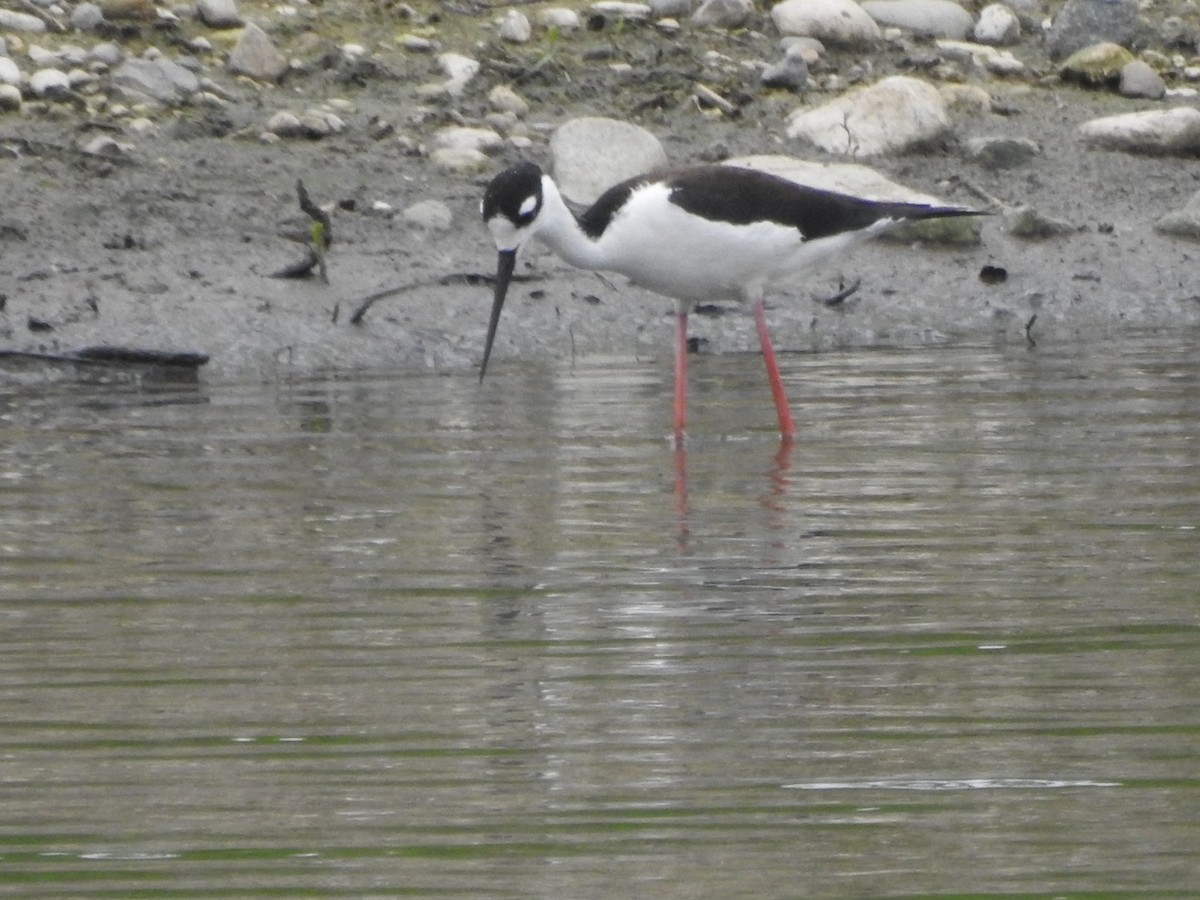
699	234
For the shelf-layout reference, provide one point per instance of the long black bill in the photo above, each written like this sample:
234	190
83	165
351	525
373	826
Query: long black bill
504	270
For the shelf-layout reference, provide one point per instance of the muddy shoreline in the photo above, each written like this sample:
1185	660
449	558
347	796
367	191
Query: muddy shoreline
172	245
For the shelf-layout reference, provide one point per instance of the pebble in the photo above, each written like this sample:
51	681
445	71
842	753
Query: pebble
515	27
107	53
504	99
998	25
1183	222
791	72
154	80
841	23
219	13
256	56
18	21
928	18
49	83
893	115
1001	152
428	215
1172	131
464	161
10	72
1138	79
10	98
723	13
560	19
1027	222
1096	64
991	59
461	137
592	153
671	8
615	10
87	17
460	70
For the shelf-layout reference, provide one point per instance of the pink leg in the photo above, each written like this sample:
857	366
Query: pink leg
681	318
787	429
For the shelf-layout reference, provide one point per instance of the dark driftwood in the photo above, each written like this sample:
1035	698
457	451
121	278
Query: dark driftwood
115	356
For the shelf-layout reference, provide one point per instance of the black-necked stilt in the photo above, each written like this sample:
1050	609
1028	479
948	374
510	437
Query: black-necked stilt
697	235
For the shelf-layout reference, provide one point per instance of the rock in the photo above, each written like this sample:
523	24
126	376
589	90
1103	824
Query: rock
969	99
10	98
1081	23
504	99
928	18
840	23
1027	222
460	160
723	13
428	215
665	8
10	73
459	137
312	123
791	72
87	17
1001	152
108	53
895	114
1096	64
129	10
49	83
1172	131
1183	222
256	56
285	124
614	10
561	20
998	25
460	69
158	80
990	59
1138	79
515	27
591	154
105	145
219	13
18	21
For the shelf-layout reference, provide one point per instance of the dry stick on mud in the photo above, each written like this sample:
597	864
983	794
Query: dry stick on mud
366	303
317	240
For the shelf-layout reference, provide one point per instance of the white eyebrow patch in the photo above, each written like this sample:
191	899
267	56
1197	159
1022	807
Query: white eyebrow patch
528	205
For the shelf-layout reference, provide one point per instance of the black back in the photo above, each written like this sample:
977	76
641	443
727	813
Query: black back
744	196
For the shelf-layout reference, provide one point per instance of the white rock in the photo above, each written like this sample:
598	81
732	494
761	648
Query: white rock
997	25
256	56
560	19
103	145
160	80
933	18
429	215
1183	222
41	57
219	13
838	22
723	13
504	99
16	21
515	27
592	154
285	124
1000	62
894	114
1174	131
460	160
10	73
10	98
49	83
612	9
460	70
460	137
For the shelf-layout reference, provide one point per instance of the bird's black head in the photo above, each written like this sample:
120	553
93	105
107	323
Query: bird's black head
515	195
511	205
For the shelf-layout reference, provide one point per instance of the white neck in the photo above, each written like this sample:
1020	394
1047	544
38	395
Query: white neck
559	230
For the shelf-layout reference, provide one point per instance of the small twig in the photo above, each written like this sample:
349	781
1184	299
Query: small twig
842	294
1029	330
707	95
321	232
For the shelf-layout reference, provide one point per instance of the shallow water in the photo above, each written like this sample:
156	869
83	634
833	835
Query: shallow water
406	634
